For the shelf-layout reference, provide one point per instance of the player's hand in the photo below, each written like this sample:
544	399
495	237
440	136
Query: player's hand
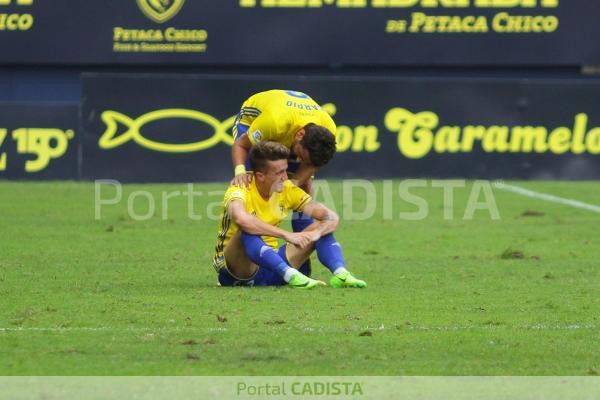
300	239
242	180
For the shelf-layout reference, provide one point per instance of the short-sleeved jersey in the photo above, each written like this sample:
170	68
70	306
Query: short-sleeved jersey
271	212
277	115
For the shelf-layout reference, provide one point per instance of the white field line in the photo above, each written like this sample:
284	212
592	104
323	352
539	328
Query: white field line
542	327
546	197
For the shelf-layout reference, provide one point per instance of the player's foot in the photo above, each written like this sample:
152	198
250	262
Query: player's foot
346	280
301	281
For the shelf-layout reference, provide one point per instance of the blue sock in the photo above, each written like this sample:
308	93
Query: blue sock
305	268
329	252
263	255
300	221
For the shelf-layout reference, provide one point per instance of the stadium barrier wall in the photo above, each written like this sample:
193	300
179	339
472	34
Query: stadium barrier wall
291	32
39	141
178	128
165	128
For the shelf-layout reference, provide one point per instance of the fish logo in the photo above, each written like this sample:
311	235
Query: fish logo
160	10
111	137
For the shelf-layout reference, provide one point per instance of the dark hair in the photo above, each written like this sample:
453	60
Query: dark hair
267	151
320	143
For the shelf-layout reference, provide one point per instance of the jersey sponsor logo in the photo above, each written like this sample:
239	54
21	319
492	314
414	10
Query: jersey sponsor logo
113	137
160	10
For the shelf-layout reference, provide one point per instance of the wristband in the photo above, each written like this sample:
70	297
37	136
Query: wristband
239	169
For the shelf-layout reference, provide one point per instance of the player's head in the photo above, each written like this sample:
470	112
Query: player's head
315	145
269	163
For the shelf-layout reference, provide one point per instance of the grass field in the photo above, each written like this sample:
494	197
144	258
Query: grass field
116	296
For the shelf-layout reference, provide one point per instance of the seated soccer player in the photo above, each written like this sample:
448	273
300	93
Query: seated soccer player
246	253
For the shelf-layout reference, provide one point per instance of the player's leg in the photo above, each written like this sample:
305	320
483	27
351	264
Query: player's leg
239	270
268	278
299	259
300	221
330	254
264	256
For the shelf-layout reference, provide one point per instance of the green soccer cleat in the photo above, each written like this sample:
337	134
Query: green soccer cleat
346	280
301	281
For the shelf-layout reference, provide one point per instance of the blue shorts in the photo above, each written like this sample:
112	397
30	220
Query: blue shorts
262	277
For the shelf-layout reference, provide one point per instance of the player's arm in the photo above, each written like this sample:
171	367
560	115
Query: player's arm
240	150
239	154
254	226
326	218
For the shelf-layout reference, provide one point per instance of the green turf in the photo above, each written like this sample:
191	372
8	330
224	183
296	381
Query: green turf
125	297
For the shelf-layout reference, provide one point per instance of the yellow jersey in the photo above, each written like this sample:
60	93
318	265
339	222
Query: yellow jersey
271	212
277	115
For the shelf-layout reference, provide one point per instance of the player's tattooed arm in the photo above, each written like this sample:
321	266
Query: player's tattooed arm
327	220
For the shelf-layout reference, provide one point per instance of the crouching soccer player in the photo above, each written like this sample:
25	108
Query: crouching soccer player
246	253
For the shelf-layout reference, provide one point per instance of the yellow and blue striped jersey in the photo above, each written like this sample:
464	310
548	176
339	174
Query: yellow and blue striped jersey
271	212
277	115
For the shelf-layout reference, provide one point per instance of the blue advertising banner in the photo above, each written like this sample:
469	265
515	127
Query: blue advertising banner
178	128
300	32
39	141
